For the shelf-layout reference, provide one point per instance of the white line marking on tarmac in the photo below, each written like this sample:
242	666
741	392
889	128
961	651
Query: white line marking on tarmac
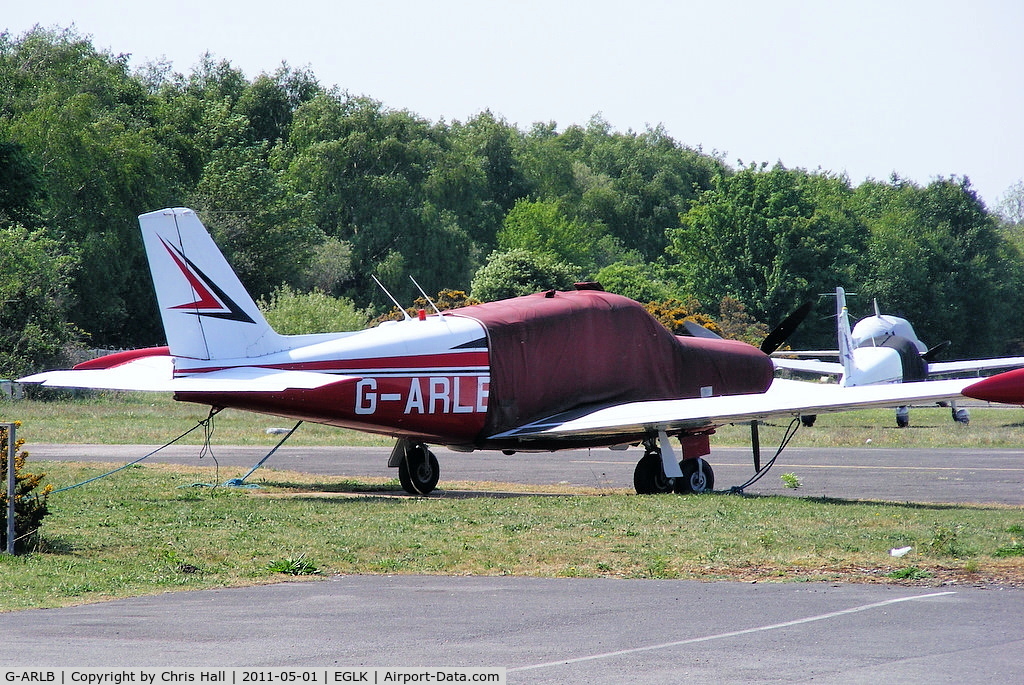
735	633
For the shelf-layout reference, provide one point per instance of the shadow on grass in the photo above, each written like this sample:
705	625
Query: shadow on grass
393	490
59	545
341	487
836	501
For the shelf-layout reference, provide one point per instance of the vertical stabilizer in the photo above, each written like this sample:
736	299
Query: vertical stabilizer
206	311
845	337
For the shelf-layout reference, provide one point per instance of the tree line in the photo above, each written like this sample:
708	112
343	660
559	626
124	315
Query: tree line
310	190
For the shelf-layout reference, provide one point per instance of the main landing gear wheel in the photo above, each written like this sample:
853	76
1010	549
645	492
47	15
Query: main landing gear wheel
419	471
697	477
649	476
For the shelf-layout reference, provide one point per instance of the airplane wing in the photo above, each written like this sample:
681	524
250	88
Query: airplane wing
934	368
156	373
783	398
939	368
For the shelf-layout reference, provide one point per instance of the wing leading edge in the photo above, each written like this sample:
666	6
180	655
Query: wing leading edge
783	398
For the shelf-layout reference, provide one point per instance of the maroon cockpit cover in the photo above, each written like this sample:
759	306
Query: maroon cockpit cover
551	352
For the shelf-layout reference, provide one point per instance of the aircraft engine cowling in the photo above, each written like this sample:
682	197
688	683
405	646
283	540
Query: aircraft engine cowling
889	359
914	366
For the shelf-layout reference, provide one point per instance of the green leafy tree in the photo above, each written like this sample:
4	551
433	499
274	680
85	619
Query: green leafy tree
1010	206
245	207
772	239
294	313
87	122
541	227
21	190
520	272
641	282
269	102
487	178
736	323
35	301
634	184
362	173
329	269
937	258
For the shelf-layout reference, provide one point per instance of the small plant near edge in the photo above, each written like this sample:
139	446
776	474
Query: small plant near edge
29	507
294	566
909	573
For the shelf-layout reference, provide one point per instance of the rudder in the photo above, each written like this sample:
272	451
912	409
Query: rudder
206	311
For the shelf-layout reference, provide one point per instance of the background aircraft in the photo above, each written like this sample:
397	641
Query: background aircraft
884	349
543	372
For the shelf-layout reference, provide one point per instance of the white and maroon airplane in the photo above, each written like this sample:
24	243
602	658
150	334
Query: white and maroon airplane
544	372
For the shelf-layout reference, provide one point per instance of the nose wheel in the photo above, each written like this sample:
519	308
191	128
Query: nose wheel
698	476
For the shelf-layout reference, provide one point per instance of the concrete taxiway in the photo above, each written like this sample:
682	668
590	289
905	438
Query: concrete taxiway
550	630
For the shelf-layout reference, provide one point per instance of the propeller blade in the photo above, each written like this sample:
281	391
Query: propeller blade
932	354
785	329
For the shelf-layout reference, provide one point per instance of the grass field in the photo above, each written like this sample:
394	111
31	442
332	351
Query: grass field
150	529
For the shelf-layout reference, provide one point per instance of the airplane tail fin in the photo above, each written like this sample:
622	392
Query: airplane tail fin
206	311
844	334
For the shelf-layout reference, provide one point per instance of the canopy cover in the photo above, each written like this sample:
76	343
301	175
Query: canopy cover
555	351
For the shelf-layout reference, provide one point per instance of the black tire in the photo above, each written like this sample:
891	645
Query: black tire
902	417
419	471
649	477
696	479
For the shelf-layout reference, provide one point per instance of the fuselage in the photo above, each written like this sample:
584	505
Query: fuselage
457	378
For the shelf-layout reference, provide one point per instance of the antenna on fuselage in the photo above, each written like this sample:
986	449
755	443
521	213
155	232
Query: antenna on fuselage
425	296
391	297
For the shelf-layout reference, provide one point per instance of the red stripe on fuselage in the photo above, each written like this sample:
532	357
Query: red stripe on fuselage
455	362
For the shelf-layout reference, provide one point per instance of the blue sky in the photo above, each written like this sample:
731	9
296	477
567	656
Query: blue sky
867	88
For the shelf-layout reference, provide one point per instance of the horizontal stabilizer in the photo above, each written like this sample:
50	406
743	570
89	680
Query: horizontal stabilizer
156	373
937	368
809	366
